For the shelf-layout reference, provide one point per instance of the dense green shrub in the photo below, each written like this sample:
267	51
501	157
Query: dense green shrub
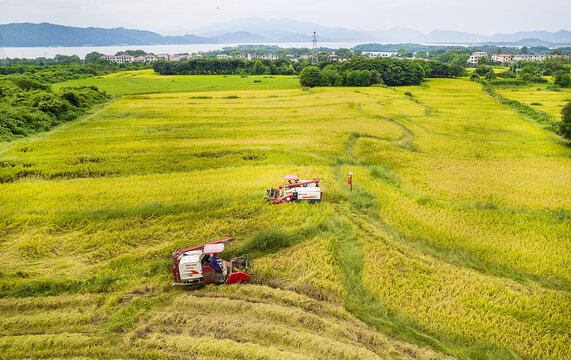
331	77
358	78
531	73
483	70
28	107
437	69
508	74
27	83
509	82
562	78
310	76
491	76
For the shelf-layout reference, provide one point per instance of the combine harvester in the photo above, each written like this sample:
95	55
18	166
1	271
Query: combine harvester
298	190
192	266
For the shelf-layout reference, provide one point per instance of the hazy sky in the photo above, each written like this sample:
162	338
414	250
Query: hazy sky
179	16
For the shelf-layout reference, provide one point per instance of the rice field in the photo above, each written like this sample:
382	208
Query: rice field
540	98
454	242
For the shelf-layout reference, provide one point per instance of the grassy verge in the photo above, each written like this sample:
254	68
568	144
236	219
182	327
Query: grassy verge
540	117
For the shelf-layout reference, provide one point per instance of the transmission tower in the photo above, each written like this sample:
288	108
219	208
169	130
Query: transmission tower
314	51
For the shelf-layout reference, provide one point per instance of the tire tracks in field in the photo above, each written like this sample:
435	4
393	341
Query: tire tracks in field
359	301
466	259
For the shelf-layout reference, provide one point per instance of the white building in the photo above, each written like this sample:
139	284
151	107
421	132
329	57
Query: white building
269	57
223	56
502	58
164	57
375	54
179	57
119	59
529	57
473	59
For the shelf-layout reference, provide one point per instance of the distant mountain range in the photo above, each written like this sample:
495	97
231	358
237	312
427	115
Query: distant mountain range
256	30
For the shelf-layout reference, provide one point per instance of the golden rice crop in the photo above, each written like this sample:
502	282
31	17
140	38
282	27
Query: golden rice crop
461	208
539	98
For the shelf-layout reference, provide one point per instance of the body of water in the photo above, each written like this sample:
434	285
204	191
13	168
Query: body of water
51	52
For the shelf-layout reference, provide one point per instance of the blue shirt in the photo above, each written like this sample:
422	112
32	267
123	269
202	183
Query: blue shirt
214	263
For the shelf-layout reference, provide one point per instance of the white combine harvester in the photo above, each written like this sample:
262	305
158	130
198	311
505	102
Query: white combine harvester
192	266
295	190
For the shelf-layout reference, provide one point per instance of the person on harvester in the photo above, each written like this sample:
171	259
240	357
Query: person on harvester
214	263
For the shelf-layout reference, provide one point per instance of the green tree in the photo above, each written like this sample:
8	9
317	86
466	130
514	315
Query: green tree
491	76
483	70
446	57
529	73
421	54
67	60
358	78
483	60
331	77
258	68
555	64
562	78
310	76
557	52
508	74
565	124
461	60
344	53
92	57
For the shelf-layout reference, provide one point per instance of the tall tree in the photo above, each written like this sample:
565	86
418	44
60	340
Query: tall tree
258	68
92	57
310	76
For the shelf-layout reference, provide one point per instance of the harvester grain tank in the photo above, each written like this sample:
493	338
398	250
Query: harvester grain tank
295	190
192	266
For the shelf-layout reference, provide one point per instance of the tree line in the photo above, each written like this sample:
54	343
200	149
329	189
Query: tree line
359	71
209	66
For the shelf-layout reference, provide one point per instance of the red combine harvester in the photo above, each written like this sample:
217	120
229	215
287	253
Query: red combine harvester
192	266
296	190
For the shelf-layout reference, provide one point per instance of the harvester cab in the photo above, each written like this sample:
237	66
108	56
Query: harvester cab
193	266
295	190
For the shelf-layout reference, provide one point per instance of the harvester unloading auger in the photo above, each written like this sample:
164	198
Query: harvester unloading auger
200	265
295	190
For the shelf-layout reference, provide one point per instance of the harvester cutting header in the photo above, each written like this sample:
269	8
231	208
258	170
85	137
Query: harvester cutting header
295	190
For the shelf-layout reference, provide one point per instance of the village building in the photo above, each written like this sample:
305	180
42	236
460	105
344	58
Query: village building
502	58
269	57
382	54
473	59
529	57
